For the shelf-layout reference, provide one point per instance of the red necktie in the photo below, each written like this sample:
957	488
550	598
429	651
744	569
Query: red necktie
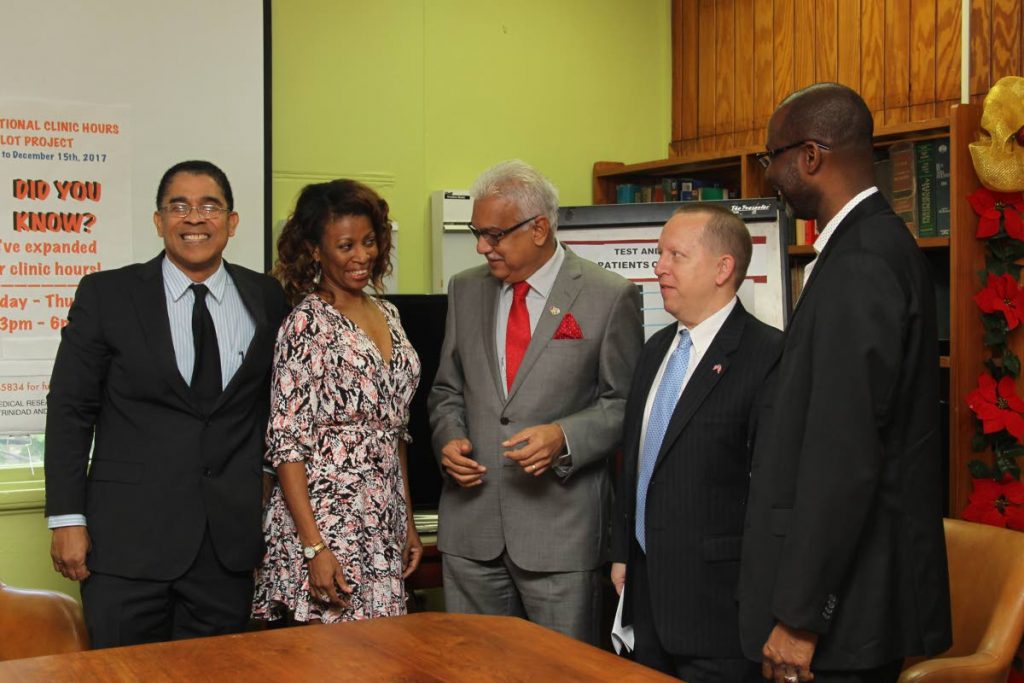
517	334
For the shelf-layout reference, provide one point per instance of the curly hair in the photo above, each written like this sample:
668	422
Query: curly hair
318	205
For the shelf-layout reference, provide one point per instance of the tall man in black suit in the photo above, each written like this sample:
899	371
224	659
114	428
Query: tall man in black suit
167	365
679	510
844	562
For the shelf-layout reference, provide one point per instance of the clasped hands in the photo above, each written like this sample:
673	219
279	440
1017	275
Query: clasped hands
533	448
787	654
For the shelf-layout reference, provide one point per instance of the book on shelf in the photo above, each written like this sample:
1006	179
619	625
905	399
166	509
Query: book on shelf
904	183
796	284
924	167
806	231
672	189
914	179
942	216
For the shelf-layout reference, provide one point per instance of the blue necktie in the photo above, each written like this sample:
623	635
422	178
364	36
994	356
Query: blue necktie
661	412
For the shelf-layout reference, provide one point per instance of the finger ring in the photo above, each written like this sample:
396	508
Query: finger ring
792	678
532	468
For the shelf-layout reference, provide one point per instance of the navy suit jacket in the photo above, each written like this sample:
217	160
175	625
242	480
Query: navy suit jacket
697	495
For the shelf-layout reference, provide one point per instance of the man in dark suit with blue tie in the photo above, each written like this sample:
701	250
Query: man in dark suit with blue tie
167	365
679	510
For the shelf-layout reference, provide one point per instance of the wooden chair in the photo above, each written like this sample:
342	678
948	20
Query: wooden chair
35	623
986	583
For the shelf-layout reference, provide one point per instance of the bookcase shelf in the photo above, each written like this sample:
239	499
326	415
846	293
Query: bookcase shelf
800	251
961	253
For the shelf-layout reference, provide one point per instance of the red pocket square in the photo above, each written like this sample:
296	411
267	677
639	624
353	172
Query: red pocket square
569	329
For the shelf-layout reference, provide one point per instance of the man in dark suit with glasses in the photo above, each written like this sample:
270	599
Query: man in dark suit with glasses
166	364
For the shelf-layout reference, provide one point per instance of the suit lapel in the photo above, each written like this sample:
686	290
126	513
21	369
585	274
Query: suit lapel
869	205
253	300
489	289
713	365
564	291
151	306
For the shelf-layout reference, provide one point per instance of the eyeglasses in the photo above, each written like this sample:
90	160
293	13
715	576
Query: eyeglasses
183	210
492	237
765	158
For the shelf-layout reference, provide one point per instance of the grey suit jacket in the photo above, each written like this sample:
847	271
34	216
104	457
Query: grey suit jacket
550	522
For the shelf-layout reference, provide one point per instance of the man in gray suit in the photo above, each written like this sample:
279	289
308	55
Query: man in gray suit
526	410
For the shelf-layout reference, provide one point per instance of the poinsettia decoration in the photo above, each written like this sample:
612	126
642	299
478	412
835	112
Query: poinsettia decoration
998	495
1003	296
999	503
998	210
997	405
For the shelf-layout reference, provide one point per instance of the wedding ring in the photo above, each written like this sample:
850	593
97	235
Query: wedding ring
791	678
532	468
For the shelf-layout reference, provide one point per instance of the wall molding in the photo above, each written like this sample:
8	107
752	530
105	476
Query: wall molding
382	179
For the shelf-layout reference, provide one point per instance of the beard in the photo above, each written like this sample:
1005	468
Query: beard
800	199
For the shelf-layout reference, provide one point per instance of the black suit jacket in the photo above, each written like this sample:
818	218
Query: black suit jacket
162	470
845	512
697	494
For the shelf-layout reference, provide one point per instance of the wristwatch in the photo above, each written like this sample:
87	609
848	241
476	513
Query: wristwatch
311	551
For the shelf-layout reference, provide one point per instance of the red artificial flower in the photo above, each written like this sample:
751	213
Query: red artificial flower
997	405
992	206
1002	294
997	503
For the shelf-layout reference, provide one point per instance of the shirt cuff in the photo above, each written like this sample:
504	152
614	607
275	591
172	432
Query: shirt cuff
57	521
563	463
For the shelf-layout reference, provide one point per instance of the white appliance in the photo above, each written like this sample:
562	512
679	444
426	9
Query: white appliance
453	247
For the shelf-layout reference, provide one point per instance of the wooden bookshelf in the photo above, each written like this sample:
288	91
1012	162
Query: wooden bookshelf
739	168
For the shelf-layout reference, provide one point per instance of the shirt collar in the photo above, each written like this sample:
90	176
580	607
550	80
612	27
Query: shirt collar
543	279
825	235
176	283
704	332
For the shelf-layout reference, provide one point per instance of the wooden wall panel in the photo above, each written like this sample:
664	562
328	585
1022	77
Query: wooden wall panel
922	60
803	43
707	68
736	59
1005	39
784	28
826	30
947	51
744	68
848	16
687	77
725	69
764	54
872	41
897	61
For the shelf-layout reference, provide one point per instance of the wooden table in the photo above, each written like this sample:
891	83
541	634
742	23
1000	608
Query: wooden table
430	646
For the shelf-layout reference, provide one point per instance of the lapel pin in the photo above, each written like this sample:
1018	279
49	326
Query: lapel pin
717	368
555	310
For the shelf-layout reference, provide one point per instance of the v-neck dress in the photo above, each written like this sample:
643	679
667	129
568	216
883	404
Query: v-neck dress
340	409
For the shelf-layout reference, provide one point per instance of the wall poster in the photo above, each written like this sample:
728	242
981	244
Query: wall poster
65	211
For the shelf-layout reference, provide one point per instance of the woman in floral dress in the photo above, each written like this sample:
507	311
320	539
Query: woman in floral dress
339	529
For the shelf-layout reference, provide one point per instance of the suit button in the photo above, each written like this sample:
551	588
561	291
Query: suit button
207	472
504	420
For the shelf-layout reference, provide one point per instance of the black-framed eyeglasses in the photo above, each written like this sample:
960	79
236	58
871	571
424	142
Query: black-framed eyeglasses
765	158
492	237
183	210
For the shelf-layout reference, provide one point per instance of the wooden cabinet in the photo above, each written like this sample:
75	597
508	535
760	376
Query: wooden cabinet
955	259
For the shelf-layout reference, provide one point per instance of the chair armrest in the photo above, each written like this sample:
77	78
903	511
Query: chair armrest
980	667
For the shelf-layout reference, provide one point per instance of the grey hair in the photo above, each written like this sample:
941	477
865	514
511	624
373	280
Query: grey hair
523	185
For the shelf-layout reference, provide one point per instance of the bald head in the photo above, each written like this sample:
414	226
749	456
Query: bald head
829	113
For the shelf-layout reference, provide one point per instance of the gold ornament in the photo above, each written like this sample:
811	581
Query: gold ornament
999	155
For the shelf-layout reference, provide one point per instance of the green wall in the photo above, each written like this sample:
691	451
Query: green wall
412	96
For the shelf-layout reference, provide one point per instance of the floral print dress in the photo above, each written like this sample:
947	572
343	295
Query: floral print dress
338	407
